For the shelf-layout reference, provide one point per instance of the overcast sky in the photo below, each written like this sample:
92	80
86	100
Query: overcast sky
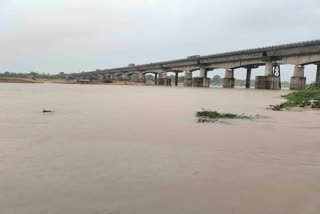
55	36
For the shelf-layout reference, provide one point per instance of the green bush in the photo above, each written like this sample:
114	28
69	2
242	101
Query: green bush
216	115
310	96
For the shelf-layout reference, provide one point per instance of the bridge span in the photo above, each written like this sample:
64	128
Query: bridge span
297	54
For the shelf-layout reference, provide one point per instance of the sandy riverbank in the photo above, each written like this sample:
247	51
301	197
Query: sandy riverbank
18	80
97	82
63	81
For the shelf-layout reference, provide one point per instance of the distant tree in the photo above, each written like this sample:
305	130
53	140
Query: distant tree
181	79
32	73
149	77
216	78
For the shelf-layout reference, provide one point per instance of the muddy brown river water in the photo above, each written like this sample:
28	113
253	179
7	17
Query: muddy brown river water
139	150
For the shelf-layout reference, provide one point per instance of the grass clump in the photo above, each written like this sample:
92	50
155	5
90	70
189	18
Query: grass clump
308	97
213	116
216	115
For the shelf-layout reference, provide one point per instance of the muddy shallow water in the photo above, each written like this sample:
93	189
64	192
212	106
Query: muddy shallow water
138	149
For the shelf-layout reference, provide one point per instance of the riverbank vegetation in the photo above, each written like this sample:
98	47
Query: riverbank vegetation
308	97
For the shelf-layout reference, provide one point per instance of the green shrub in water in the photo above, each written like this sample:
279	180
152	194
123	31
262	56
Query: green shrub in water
310	96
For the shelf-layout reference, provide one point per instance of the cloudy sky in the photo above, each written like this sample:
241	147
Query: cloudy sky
55	36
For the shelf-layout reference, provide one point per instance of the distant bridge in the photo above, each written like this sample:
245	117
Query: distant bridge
298	54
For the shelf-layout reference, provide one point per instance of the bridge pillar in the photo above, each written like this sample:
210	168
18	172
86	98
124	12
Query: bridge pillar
187	79
142	77
201	81
269	81
164	80
160	80
228	81
156	79
318	74
164	74
268	69
248	78
298	81
124	77
203	72
176	78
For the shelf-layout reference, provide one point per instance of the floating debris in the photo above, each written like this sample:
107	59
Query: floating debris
46	110
276	107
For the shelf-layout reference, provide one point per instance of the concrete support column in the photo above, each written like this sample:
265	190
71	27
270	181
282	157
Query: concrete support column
187	79
268	69
203	73
298	71
318	74
228	81
187	74
176	80
298	81
268	81
156	78
201	81
164	74
163	80
160	81
142	77
124	77
248	79
229	73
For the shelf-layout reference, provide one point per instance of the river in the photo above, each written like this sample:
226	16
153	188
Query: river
138	150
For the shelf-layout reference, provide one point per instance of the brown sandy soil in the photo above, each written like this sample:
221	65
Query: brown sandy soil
128	83
63	81
19	80
95	82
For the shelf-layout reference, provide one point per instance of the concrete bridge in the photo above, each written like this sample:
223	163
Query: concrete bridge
297	54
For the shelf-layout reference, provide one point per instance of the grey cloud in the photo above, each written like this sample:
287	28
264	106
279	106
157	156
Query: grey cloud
97	34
